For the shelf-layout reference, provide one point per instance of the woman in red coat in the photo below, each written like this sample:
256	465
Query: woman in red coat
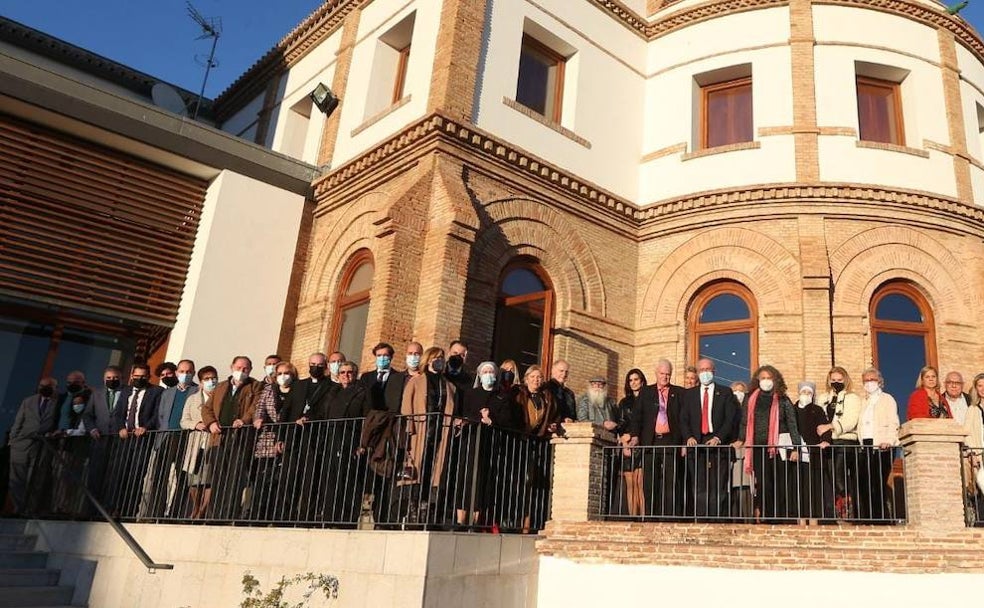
927	401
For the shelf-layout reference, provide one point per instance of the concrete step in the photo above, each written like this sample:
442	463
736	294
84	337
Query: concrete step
13	526
18	542
27	577
23	559
35	596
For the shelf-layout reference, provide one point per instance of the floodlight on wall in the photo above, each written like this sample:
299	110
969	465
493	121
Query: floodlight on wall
324	99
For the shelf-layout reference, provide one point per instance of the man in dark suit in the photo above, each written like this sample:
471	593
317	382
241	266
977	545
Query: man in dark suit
98	418
655	423
311	392
135	414
36	417
385	384
707	423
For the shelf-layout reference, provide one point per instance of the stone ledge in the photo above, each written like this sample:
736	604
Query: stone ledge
877	145
540	118
380	115
748	145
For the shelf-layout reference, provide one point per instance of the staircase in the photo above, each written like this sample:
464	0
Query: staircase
25	579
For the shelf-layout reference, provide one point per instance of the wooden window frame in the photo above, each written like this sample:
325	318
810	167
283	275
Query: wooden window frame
345	301
696	329
705	92
401	73
546	339
560	61
926	329
896	89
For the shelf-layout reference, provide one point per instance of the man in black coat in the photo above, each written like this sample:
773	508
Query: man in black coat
655	423
134	415
384	384
707	424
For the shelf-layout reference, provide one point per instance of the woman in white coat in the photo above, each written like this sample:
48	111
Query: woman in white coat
195	462
878	430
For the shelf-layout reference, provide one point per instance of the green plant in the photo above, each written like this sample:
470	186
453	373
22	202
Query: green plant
256	598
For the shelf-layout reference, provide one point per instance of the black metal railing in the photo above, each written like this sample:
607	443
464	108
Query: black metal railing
758	485
973	485
429	471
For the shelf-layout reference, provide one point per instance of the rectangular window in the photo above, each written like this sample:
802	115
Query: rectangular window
726	113
540	85
880	111
401	73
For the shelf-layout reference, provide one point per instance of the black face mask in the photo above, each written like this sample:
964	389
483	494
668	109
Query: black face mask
113	385
74	387
837	386
140	383
316	372
170	381
455	363
507	377
46	391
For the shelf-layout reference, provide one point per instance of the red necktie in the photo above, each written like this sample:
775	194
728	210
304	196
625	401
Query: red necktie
705	427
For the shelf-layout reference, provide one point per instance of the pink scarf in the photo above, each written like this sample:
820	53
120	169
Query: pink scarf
750	427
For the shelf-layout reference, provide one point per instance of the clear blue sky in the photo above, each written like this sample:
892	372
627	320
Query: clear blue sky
157	37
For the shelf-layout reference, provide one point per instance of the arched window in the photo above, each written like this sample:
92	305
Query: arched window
352	305
724	328
523	316
902	337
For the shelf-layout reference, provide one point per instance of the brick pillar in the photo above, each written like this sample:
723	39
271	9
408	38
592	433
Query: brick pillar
329	134
575	493
934	489
950	68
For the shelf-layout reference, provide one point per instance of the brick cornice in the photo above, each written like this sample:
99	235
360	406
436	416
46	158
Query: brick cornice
405	147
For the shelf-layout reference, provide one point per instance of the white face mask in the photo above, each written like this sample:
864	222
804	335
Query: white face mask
284	379
706	377
766	384
740	396
805	400
488	381
239	375
270	369
871	387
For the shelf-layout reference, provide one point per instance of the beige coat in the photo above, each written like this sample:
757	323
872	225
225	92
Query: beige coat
886	426
847	413
414	406
197	440
974	427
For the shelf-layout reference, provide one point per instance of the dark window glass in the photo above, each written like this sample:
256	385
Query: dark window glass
900	357
519	331
521	281
898	307
731	353
540	81
725	307
23	348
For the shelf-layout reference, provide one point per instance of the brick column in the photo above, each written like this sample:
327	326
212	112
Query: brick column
934	490
339	82
575	493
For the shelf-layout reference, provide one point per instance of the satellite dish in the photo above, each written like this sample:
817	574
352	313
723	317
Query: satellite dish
166	97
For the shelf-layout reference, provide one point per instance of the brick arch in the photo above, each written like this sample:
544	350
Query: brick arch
526	227
855	285
354	231
751	258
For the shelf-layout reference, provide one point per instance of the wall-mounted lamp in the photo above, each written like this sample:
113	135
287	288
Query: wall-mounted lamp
324	99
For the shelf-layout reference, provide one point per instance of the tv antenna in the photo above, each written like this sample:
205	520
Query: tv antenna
211	28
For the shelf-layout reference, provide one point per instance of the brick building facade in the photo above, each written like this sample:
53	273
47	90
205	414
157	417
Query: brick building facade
811	222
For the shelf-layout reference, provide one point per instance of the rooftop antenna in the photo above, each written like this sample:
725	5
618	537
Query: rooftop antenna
211	28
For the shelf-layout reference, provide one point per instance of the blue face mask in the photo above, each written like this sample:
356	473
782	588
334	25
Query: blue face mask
413	361
383	361
488	380
333	368
210	384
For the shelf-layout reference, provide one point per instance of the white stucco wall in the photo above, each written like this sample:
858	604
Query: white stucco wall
376	20
672	105
243	122
567	583
603	97
233	301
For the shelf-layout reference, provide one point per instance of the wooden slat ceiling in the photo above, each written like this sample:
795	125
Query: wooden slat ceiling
88	227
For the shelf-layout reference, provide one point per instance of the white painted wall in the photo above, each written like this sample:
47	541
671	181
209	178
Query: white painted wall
378	18
672	110
233	301
243	122
374	568
567	583
604	94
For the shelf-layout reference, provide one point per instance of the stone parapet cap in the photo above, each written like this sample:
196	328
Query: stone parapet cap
582	433
931	430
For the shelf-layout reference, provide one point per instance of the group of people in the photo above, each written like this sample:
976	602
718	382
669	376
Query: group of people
314	449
